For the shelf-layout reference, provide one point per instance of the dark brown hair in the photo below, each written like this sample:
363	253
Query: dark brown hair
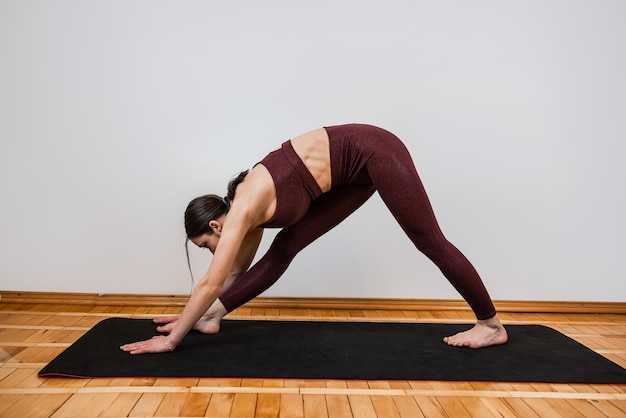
205	209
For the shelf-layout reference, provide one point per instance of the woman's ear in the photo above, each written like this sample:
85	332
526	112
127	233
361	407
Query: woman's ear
215	226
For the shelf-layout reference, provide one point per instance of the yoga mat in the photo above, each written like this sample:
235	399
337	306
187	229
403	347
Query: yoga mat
335	350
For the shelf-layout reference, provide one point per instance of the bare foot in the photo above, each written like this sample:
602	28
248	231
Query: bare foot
209	323
485	333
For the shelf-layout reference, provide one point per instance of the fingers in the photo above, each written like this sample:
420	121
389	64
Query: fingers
169	322
166	319
153	345
139	351
166	328
134	348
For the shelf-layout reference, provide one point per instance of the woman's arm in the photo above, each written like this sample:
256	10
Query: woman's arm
242	263
233	236
254	204
244	257
212	283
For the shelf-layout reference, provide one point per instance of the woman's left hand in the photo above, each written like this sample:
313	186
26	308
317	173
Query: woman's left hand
156	344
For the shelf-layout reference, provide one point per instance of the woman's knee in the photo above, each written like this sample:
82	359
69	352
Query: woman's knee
284	247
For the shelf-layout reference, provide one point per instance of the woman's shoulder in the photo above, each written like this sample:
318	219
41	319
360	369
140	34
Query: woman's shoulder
256	195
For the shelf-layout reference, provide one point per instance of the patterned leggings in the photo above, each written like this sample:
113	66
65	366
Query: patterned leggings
365	159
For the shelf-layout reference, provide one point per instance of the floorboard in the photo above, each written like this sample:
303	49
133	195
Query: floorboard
32	334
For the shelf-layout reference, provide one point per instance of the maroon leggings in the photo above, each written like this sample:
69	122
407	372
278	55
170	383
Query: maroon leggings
365	159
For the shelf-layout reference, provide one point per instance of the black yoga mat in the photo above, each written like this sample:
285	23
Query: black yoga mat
335	350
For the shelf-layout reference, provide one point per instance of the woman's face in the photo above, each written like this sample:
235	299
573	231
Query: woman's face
207	241
210	240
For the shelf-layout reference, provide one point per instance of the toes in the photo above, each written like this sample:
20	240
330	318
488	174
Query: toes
457	341
450	341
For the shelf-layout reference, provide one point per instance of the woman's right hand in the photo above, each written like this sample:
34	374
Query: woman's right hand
209	323
167	321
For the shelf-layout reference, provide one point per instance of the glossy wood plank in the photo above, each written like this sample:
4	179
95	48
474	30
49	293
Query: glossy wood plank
407	406
219	405
362	406
195	405
43	405
291	406
338	406
244	405
315	406
85	405
385	406
121	405
267	405
147	405
430	407
172	405
498	408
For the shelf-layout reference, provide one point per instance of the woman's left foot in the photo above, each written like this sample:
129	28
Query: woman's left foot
485	333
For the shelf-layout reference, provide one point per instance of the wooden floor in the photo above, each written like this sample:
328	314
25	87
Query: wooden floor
33	334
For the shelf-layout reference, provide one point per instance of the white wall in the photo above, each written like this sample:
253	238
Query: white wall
113	115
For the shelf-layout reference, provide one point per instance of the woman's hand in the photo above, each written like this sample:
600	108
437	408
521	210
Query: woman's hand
209	323
167	323
156	344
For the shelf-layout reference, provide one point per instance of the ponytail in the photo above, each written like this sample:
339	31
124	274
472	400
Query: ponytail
232	186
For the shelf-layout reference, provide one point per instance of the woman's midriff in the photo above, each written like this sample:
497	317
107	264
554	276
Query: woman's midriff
314	150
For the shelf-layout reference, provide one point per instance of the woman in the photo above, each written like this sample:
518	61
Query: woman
307	187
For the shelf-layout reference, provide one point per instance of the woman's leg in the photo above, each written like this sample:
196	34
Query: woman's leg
324	214
393	173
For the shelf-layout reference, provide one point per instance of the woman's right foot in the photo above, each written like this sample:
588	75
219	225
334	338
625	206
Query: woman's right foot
485	333
209	323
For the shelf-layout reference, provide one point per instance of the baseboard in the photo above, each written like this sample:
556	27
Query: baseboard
437	305
94	299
